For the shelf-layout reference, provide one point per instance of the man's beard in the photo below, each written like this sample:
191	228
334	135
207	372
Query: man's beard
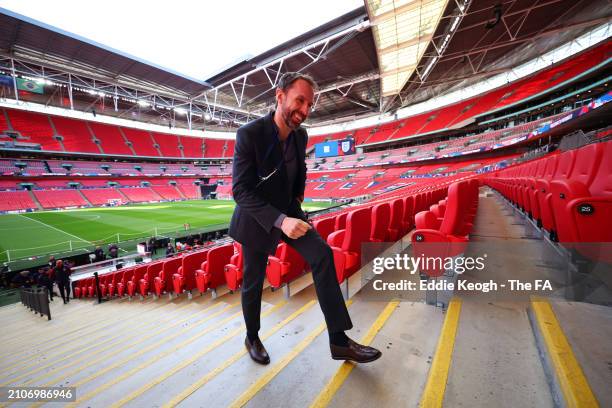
287	118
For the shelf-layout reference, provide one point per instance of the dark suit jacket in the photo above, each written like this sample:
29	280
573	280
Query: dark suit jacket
257	153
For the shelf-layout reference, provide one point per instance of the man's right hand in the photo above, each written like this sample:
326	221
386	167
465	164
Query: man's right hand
294	227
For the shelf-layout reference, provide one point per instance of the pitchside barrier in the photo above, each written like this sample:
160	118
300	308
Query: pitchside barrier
29	258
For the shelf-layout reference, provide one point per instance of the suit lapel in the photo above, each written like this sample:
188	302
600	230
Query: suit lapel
276	156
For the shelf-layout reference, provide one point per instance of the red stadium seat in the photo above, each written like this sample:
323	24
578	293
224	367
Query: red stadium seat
163	281
233	269
380	222
564	168
285	266
396	224
325	226
122	284
582	204
211	273
184	279
408	212
146	283
112	286
104	282
450	238
341	221
347	255
133	283
533	189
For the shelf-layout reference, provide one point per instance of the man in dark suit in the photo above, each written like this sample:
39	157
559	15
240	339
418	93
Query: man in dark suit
269	176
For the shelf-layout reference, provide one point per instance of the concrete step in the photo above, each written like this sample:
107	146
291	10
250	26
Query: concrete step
33	197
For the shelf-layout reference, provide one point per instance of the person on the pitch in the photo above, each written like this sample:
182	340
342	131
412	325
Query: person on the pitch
269	176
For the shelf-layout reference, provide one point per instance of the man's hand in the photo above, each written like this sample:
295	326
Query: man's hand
294	227
300	198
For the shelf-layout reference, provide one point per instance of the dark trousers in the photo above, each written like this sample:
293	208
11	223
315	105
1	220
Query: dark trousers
320	257
64	288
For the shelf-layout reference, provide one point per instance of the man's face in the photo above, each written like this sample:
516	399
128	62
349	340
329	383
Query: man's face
295	103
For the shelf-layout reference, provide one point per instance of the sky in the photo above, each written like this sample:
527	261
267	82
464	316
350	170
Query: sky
194	38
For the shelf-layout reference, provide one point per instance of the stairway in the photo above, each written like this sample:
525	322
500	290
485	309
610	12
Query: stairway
61	142
93	137
125	198
181	352
180	193
126	141
85	198
155	144
33	196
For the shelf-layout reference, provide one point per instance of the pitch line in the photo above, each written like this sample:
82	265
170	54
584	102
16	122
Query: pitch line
57	229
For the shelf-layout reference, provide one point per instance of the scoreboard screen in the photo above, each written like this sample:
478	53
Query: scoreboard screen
335	148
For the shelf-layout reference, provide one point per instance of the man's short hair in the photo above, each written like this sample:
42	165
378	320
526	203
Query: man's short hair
288	78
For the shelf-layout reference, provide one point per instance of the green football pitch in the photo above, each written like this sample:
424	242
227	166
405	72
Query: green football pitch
38	234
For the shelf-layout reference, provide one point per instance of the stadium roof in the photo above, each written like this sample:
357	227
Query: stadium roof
33	40
468	42
472	41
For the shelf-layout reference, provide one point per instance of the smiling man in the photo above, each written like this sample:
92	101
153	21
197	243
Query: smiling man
269	176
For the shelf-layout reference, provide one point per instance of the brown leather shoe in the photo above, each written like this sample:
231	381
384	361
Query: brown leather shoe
355	352
257	351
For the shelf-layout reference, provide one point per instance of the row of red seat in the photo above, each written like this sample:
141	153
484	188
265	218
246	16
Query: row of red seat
384	220
380	221
78	136
567	194
205	270
449	116
443	230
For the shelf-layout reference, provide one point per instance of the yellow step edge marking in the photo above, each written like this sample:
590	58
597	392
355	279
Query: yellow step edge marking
117	350
75	333
572	381
132	356
139	352
433	394
58	326
92	342
161	355
199	383
277	368
334	384
94	345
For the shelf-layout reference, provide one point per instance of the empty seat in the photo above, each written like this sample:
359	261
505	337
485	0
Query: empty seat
146	282
448	238
134	282
112	286
346	244
396	223
122	284
583	202
233	269
564	168
325	226
104	282
184	279
211	273
408	215
341	221
380	222
163	281
285	266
